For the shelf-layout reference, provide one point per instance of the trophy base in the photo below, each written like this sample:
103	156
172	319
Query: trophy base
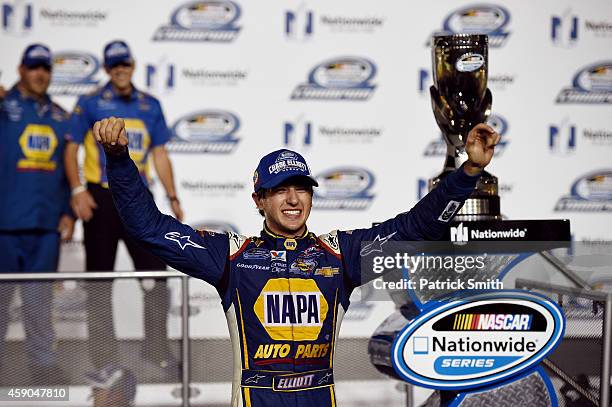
483	204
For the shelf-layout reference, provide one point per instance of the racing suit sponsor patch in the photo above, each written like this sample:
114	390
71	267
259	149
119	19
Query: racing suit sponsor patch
291	309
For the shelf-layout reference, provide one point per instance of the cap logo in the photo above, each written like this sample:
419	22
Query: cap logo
39	52
255	177
117	50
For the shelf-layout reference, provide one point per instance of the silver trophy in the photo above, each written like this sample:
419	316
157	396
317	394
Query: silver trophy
460	100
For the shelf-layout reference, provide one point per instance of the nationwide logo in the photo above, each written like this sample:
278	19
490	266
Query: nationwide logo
291	309
74	73
565	137
589	193
566	29
489	19
343	78
477	341
16	17
591	85
344	188
202	21
164	76
206	131
302	23
462	233
304	132
437	148
73	18
200	187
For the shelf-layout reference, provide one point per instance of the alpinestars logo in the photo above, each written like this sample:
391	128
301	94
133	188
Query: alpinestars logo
182	241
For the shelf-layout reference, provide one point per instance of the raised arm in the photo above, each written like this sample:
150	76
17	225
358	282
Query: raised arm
429	218
200	254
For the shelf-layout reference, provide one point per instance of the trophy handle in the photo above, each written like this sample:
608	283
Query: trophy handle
485	106
440	110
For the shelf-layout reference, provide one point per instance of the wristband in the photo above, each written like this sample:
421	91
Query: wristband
173	199
78	190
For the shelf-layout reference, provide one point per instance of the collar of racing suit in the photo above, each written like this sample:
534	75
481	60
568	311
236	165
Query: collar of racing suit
279	242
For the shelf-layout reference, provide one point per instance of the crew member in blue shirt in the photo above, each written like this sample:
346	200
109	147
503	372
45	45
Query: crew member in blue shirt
34	210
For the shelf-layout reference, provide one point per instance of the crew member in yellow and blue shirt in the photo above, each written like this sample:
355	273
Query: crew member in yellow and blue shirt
147	132
34	210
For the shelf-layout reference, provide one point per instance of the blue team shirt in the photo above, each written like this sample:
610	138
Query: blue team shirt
34	192
144	121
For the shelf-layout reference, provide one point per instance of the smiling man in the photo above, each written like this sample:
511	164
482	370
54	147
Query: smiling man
285	291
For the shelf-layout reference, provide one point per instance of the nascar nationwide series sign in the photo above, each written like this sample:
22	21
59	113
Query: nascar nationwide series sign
478	341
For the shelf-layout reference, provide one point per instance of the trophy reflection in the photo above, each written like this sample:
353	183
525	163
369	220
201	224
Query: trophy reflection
460	100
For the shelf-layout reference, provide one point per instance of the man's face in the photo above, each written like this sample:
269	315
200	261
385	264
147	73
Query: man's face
121	75
35	80
286	207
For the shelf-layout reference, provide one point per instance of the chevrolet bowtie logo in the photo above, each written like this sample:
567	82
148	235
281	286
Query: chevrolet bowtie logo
327	271
182	241
254	379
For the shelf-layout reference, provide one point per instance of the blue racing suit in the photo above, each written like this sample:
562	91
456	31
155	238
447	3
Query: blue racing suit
283	298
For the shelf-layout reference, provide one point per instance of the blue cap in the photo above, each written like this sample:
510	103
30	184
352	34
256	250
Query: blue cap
114	378
36	55
116	52
278	166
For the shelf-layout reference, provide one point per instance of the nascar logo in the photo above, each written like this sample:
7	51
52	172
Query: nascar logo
291	309
518	330
492	322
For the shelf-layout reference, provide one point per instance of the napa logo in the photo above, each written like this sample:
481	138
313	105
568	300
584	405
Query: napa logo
343	78
591	85
478	341
437	148
344	188
589	193
202	21
74	73
489	19
38	143
291	309
206	131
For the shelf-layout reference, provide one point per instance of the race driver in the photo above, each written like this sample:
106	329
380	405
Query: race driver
285	291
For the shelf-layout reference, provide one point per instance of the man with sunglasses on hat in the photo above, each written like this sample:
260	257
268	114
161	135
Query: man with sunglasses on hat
285	291
34	205
147	132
